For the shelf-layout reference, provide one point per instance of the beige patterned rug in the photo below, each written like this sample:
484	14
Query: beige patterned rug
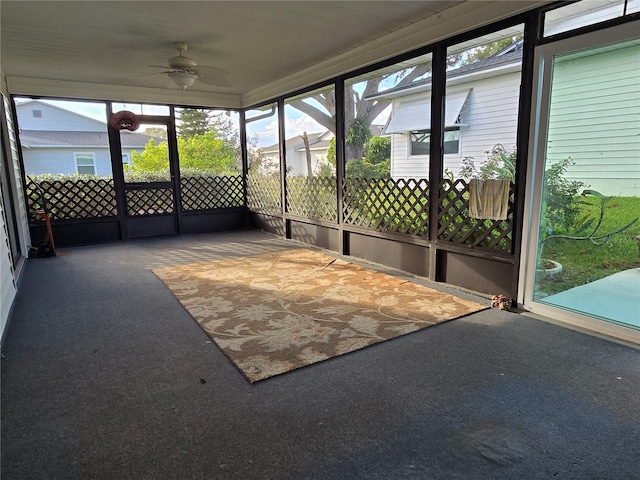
279	311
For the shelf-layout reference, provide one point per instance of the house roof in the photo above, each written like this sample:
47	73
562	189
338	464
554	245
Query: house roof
496	63
316	140
296	142
56	139
26	104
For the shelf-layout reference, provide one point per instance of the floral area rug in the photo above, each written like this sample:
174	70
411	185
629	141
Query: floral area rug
276	312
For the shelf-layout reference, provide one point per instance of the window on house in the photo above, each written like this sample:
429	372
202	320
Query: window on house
125	159
85	163
36	113
421	141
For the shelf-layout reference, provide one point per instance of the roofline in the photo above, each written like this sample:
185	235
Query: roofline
79	146
425	87
44	102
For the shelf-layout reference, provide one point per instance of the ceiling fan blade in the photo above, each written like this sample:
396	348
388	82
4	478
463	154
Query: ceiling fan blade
212	76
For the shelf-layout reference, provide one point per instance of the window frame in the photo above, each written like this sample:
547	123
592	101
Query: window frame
444	143
76	157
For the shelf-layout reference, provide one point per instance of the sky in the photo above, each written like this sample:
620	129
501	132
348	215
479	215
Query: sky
266	130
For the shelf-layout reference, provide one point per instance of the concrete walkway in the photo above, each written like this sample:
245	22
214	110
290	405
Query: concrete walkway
616	297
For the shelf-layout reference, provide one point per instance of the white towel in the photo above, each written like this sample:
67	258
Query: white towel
489	199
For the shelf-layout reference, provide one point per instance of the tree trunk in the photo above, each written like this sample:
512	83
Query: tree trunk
307	152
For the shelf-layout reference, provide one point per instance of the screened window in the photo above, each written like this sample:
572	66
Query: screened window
421	142
85	163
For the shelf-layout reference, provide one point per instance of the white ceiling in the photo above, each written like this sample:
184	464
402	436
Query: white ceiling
105	49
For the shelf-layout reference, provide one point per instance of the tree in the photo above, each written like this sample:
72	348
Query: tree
207	153
378	150
194	121
154	158
360	112
482	53
356	106
307	150
156	132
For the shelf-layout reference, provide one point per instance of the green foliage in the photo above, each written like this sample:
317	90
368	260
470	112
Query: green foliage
146	176
194	121
157	132
153	158
358	132
584	261
356	137
378	150
560	202
331	152
376	160
326	170
205	152
498	165
64	177
482	53
364	169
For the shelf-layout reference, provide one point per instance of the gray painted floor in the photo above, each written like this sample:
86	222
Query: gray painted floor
105	376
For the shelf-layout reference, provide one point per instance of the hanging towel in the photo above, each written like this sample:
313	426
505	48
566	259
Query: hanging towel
489	199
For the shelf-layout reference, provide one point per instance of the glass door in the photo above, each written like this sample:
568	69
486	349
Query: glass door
583	246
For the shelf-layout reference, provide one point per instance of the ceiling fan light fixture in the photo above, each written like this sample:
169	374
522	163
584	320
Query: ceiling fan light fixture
183	79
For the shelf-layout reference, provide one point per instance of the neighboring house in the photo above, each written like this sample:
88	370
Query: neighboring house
319	144
482	107
296	153
55	140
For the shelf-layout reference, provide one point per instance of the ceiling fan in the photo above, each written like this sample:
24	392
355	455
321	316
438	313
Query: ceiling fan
184	71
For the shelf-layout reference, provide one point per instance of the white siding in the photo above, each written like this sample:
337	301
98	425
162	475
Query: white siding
595	119
55	119
404	165
296	163
489	117
39	161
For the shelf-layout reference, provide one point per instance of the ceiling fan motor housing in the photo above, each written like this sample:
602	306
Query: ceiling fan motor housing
181	62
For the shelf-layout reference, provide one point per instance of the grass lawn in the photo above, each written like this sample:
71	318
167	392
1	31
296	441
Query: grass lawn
585	262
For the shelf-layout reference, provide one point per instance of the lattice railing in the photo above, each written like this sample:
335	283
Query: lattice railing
312	197
149	201
400	206
455	225
72	198
211	192
263	193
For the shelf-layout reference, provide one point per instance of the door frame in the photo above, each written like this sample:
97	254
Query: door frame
151	225
540	106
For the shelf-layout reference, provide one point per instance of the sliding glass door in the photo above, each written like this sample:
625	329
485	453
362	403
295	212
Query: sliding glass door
583	246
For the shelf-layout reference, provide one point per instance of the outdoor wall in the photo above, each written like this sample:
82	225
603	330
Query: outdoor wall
489	117
40	161
596	109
